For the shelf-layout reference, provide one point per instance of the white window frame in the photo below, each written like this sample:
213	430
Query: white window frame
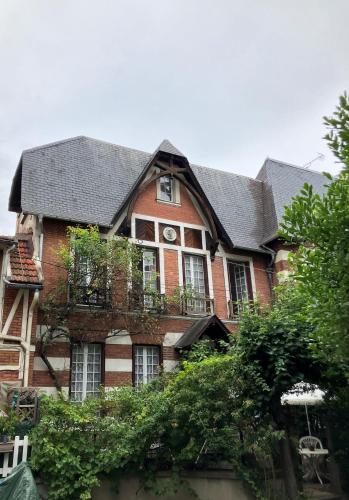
85	352
241	265
153	281
175	191
197	306
144	374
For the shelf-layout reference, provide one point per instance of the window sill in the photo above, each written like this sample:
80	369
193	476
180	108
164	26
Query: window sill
172	203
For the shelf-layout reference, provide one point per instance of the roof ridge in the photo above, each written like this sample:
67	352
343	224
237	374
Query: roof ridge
293	166
225	172
55	143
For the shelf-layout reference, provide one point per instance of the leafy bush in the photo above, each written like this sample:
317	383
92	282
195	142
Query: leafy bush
191	419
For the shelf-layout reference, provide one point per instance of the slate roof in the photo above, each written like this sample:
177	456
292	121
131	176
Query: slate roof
167	147
282	181
85	180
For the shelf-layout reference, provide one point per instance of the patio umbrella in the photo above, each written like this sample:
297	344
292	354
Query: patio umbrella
303	394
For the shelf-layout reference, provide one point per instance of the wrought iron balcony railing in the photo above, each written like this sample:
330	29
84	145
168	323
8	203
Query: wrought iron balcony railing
152	302
200	306
84	295
238	307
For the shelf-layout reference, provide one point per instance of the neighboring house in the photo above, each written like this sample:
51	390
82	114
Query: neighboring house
213	230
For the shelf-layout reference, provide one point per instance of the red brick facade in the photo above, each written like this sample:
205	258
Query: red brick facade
118	352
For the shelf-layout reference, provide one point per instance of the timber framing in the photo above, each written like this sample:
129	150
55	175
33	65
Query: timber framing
177	167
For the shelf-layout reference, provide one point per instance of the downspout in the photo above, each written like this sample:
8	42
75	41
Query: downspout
28	337
270	267
40	249
3	281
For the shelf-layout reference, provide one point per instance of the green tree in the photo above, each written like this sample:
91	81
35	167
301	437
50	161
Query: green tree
276	343
319	225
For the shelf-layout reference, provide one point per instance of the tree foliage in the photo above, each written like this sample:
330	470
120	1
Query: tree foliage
196	417
221	405
320	226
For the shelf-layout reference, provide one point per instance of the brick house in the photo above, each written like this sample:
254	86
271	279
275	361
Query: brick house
214	230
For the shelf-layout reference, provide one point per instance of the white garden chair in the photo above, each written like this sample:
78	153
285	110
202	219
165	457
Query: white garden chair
310	443
311	451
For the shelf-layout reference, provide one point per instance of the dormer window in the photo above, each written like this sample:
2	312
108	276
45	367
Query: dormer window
168	189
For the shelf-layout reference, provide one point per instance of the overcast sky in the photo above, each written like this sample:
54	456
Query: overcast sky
229	82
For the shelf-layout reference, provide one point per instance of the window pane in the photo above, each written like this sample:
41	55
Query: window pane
166	188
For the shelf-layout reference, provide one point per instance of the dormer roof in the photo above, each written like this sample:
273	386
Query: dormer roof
167	147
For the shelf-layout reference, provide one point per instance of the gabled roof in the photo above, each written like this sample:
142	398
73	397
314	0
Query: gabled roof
88	181
282	181
210	325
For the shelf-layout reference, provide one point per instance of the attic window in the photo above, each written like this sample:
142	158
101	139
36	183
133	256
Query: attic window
168	189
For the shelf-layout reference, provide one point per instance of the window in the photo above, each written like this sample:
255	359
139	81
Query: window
194	276
85	371
168	189
240	286
146	363
90	286
150	280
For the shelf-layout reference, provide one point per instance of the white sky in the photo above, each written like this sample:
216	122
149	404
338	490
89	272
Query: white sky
229	82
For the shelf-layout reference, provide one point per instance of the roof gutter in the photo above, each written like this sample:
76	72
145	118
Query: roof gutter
28	286
7	242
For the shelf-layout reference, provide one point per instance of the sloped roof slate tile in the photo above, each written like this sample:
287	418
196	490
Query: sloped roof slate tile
85	180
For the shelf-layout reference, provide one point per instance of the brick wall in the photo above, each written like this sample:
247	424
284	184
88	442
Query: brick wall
96	329
55	235
146	204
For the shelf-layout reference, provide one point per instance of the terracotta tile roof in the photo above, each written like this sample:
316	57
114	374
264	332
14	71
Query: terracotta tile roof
23	268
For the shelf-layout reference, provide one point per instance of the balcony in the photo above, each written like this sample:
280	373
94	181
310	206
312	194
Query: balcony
197	306
86	296
238	307
147	301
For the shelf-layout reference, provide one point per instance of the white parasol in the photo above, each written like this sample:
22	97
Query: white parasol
303	394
